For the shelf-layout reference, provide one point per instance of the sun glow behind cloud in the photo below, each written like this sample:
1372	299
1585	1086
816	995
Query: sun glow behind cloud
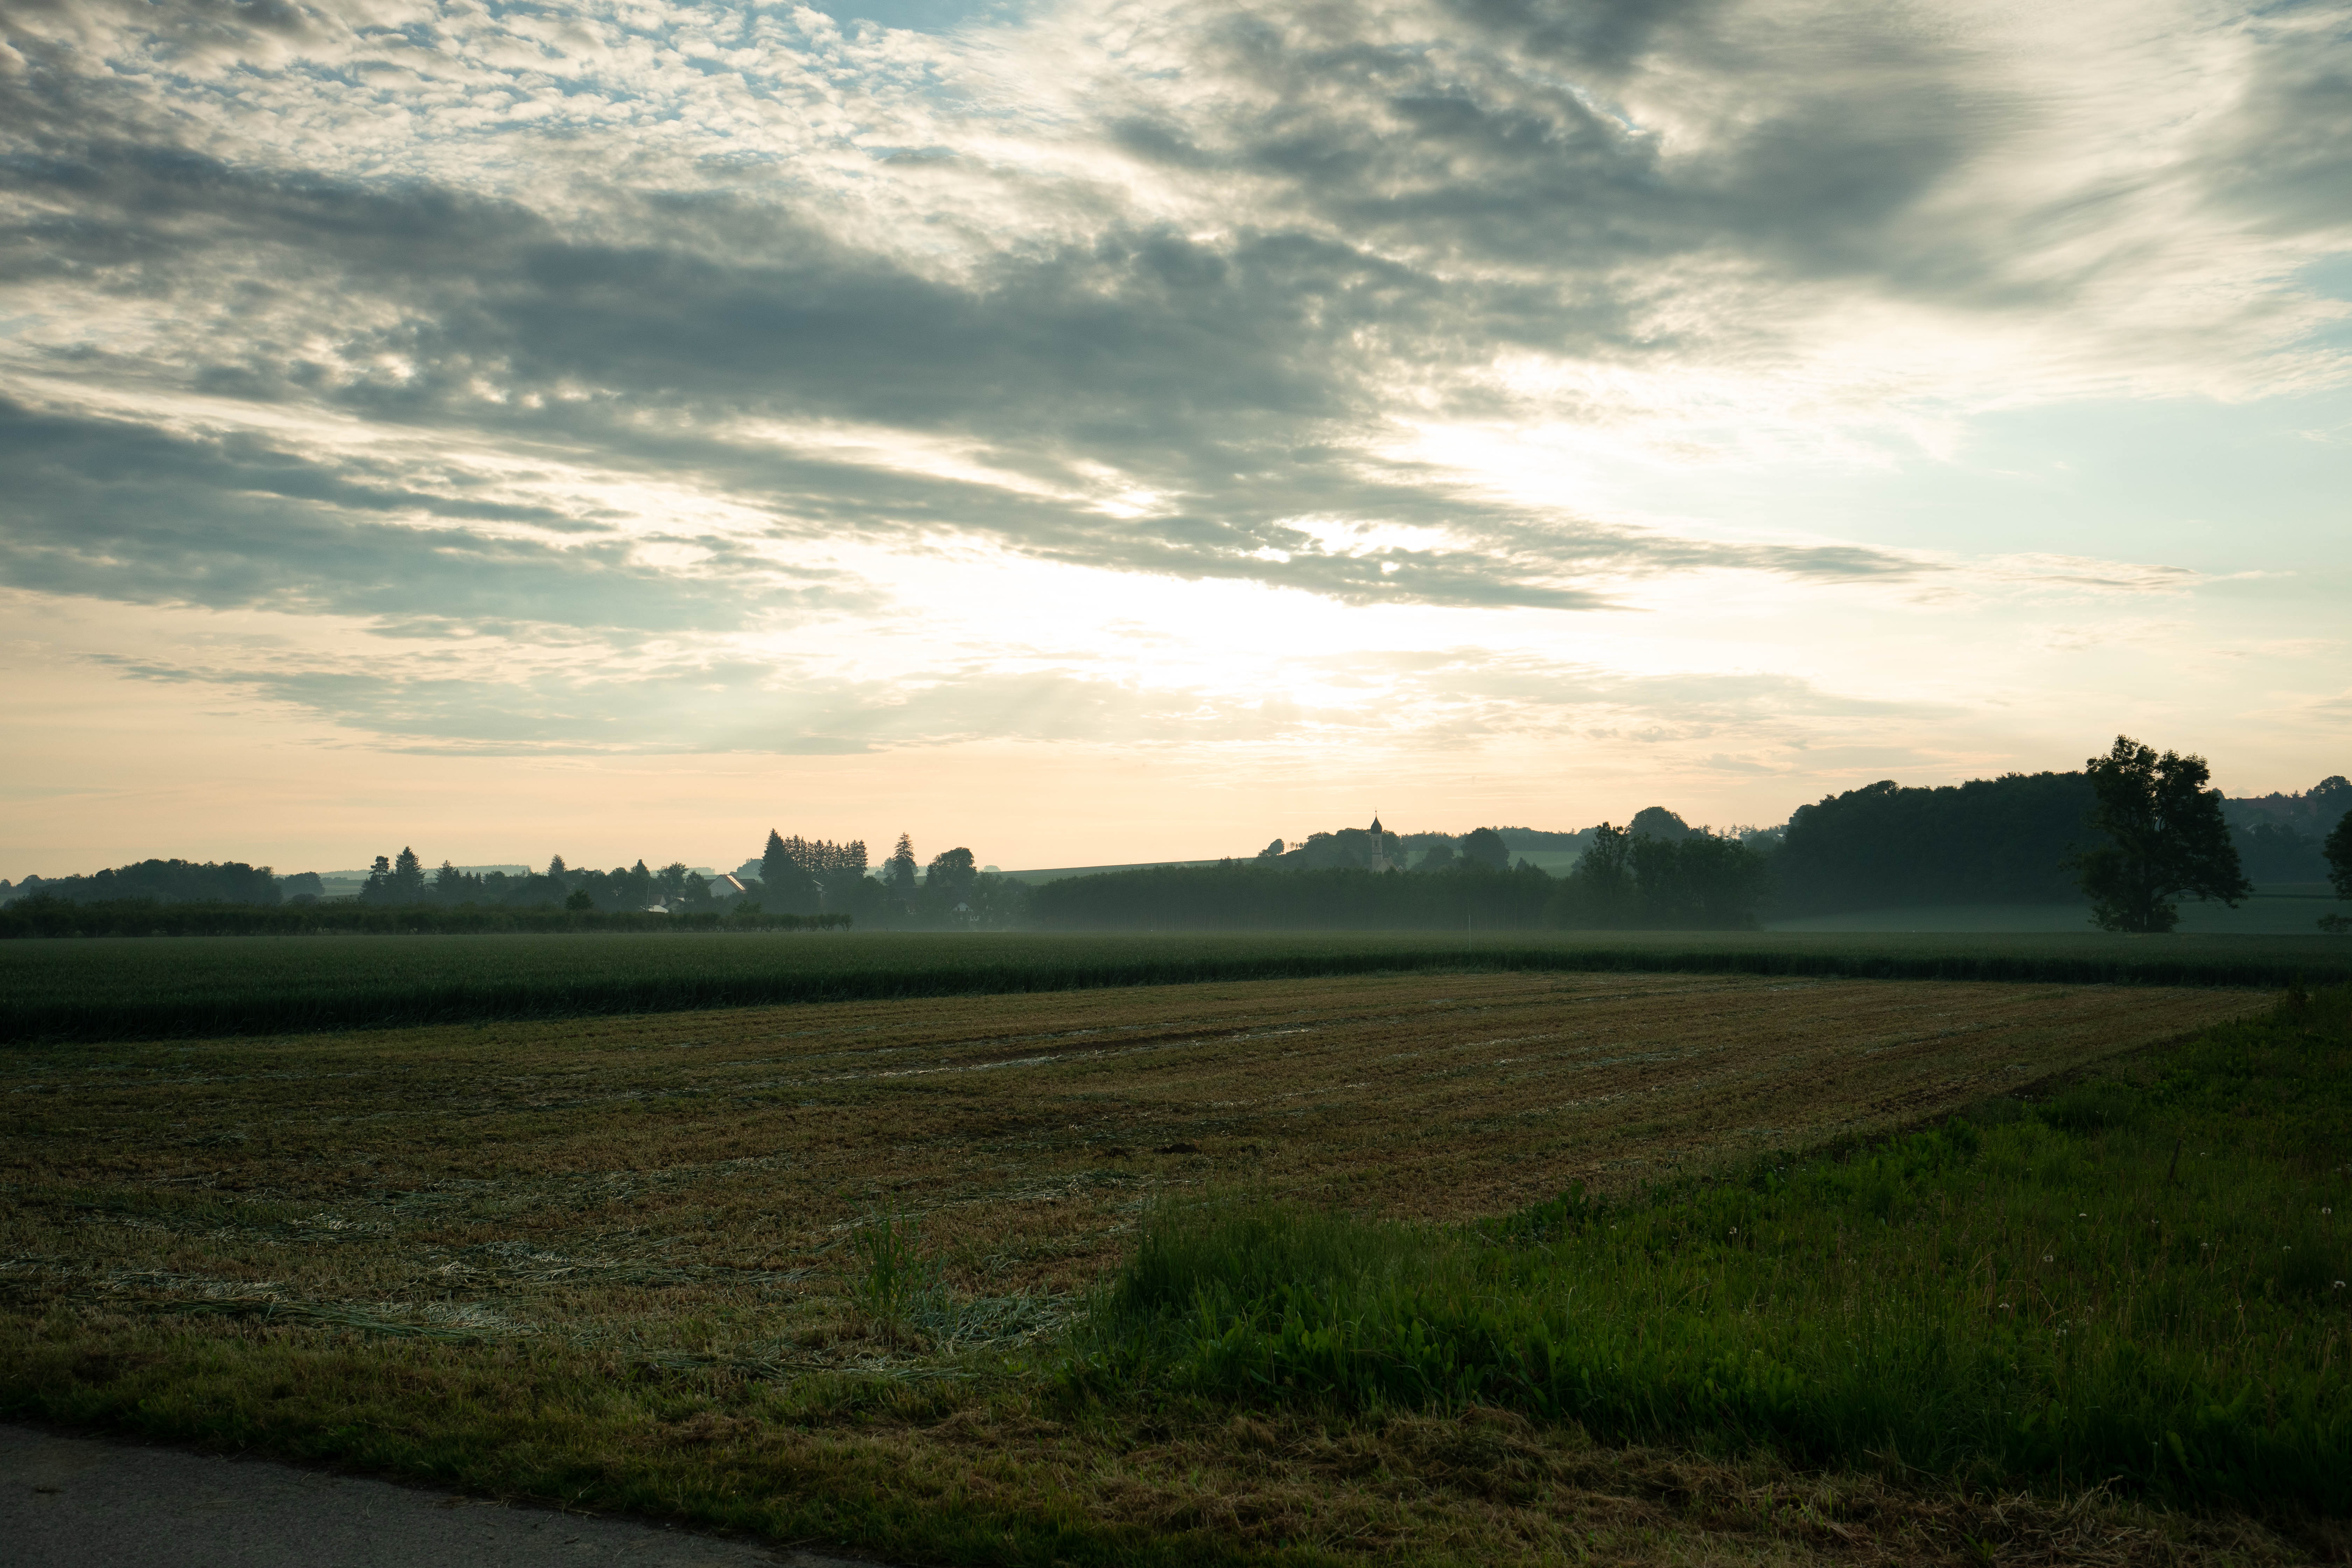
1568	392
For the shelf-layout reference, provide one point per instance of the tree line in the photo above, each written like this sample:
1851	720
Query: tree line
1623	879
2133	833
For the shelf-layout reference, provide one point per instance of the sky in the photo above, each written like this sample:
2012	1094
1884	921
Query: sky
1111	432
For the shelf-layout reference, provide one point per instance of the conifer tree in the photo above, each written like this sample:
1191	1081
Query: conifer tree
898	871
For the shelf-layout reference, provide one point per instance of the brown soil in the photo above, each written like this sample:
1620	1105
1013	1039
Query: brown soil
1028	1130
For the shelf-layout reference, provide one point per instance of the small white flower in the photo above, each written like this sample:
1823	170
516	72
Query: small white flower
2047	1257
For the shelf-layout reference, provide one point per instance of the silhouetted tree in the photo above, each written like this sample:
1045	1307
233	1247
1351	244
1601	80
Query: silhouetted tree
2166	837
1485	848
1658	822
2338	850
165	882
408	878
1598	890
786	886
948	878
898	871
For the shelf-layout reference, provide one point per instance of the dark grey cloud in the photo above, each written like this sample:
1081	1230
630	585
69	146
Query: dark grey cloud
1210	375
108	509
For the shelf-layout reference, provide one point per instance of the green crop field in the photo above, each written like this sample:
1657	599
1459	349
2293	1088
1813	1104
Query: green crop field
125	988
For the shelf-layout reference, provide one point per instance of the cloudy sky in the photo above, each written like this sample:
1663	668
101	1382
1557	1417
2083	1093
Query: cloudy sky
1108	431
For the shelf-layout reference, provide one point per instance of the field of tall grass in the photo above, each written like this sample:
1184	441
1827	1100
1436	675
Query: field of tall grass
2139	1282
140	988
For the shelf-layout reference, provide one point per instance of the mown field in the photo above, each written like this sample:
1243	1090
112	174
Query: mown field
133	988
1071	1277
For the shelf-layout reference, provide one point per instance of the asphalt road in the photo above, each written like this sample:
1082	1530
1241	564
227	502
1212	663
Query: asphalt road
80	1502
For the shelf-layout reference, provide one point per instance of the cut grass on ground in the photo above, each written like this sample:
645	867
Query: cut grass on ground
141	988
819	1272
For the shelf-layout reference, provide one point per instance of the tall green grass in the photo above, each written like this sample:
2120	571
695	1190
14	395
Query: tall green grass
133	988
2048	1296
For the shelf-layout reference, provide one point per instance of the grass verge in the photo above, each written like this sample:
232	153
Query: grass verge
2140	1282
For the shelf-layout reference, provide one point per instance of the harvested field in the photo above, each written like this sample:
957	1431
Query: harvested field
725	1151
617	1260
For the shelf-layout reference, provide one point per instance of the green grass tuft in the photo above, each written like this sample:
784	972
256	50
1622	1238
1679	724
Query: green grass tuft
2138	1281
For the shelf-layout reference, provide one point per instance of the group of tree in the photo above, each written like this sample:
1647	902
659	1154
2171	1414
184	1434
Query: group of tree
2133	833
2167	836
2005	840
805	877
1656	872
159	881
796	877
2284	837
1631	879
401	881
802	875
792	876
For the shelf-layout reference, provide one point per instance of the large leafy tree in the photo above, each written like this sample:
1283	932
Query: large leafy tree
950	876
2166	837
1485	846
